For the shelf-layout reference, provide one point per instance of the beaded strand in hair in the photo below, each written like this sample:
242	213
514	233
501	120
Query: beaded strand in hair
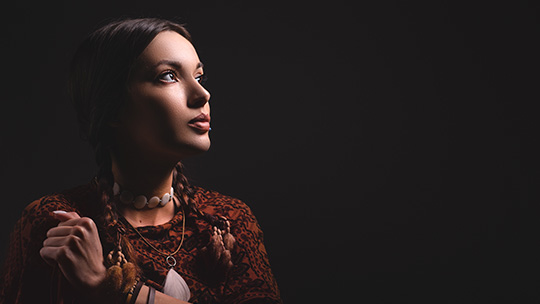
122	271
215	258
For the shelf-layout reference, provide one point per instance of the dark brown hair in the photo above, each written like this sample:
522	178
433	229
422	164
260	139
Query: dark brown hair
97	85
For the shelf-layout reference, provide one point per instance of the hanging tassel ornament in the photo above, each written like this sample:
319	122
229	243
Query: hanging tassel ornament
228	238
121	274
215	259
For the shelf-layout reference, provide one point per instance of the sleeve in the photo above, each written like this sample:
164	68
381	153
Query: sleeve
12	265
251	280
26	277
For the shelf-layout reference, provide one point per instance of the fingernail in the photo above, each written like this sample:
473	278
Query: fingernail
59	211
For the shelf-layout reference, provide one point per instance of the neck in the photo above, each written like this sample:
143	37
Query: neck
142	177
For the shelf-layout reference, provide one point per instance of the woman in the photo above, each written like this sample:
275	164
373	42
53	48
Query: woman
139	232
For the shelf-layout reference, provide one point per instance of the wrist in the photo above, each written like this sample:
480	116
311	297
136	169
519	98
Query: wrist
96	285
116	287
100	275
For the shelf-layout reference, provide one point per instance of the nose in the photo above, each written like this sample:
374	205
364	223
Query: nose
199	96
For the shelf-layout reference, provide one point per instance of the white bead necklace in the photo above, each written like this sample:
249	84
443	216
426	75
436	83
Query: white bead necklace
141	201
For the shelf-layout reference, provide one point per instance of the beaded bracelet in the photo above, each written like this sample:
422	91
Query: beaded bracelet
133	292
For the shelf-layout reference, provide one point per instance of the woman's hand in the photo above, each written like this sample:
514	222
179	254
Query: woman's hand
74	246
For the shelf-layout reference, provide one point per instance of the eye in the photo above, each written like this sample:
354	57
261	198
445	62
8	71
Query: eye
168	76
201	79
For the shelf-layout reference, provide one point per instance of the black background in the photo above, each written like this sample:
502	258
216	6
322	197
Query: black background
386	147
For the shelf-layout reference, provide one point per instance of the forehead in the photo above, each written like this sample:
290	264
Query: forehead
169	46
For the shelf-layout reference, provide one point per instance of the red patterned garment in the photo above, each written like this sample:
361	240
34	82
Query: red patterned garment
28	279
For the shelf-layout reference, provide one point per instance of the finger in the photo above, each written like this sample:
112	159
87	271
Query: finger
63	256
75	229
70	222
64	216
60	231
58	241
83	222
87	223
49	255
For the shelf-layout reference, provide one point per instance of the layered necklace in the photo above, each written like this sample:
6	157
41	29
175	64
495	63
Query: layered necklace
174	285
169	257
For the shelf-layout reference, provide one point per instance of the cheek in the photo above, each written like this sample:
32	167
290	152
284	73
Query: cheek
160	112
164	100
172	111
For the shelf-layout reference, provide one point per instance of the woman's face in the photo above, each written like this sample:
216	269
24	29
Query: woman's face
167	111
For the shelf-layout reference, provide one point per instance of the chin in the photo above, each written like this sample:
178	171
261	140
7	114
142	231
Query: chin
194	148
204	148
203	144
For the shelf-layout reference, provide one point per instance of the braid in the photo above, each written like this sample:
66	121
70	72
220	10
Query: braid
215	258
120	278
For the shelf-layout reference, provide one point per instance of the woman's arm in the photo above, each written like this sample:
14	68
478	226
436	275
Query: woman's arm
160	298
74	246
12	269
27	277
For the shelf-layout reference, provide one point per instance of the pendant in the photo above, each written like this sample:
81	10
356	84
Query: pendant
176	287
171	261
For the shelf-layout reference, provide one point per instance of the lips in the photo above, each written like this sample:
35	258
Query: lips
201	122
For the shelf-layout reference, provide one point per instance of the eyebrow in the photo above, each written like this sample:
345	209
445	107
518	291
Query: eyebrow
174	64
